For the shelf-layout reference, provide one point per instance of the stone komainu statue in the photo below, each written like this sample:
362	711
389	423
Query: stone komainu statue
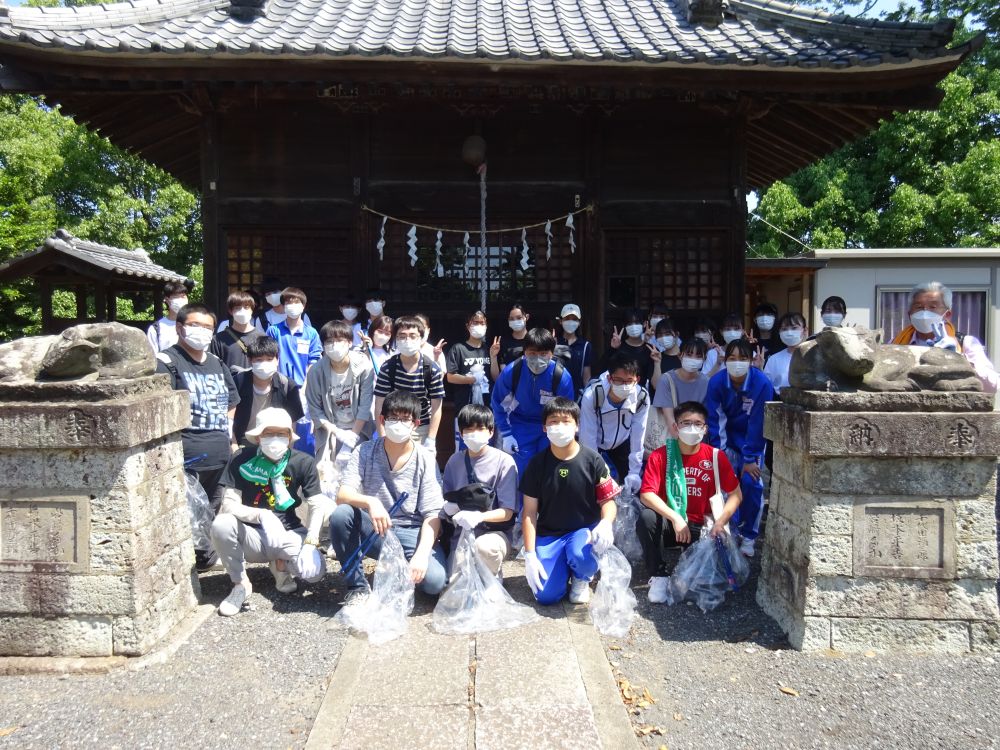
853	359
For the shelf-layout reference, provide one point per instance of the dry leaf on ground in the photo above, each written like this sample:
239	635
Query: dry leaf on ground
789	691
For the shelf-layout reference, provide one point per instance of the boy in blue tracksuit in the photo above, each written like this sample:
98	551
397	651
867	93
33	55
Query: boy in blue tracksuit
299	345
524	387
735	403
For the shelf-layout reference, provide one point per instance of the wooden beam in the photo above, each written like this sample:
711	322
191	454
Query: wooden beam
214	259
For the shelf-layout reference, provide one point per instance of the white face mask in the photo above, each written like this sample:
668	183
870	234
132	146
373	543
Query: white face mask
197	338
477	331
274	447
691	364
737	369
791	336
273	299
476	440
176	303
397	432
665	342
653	322
349	313
622	390
731	335
337	350
408	347
570	326
560	435
294	309
706	337
516	325
691	435
380	339
264	370
925	320
832	319
634	330
374	308
765	322
242	316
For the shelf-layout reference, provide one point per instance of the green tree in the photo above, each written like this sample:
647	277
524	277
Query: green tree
923	179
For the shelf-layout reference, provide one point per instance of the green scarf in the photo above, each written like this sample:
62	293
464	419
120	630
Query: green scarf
677	490
261	470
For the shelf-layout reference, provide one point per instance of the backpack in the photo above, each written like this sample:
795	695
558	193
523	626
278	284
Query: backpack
393	370
557	374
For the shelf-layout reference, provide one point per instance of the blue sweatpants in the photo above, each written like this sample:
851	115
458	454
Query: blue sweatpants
531	439
747	517
560	555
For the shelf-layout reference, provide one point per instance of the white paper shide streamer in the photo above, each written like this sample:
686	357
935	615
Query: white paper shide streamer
572	241
381	240
437	255
524	249
412	244
548	240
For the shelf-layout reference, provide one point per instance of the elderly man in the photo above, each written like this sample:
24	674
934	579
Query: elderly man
930	325
264	483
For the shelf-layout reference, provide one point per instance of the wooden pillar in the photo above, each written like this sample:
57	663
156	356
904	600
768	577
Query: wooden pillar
101	303
594	286
111	300
81	302
45	292
738	190
215	260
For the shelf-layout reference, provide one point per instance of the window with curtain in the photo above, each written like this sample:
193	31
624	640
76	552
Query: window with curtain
968	311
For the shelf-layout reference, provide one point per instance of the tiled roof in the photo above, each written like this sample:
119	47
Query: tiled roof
126	263
751	32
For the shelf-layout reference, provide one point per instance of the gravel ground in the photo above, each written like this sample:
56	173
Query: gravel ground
717	682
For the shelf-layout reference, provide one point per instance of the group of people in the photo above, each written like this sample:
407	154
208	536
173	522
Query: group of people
544	446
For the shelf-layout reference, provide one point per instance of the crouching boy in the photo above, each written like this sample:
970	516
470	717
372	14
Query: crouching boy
478	475
677	495
263	485
568	509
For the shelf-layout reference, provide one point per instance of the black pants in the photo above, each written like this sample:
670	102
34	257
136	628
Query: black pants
655	534
209	481
618	458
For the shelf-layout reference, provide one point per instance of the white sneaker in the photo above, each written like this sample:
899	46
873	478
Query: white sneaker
237	600
746	547
283	580
657	589
579	591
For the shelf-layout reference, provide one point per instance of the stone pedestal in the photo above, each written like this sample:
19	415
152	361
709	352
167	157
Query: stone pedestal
881	531
96	556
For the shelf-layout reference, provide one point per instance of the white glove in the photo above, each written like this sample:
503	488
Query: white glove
450	508
632	484
346	437
601	537
430	444
534	573
468	519
510	444
310	564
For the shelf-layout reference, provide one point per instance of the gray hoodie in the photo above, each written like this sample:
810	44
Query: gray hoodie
320	396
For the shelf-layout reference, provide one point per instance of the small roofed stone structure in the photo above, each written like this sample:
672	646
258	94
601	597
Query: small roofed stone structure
88	268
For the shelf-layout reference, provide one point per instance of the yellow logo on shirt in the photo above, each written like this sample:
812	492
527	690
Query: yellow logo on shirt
563	473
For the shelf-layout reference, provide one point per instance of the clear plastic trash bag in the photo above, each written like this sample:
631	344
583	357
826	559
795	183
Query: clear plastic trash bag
200	511
331	467
476	601
612	608
382	615
624	527
707	571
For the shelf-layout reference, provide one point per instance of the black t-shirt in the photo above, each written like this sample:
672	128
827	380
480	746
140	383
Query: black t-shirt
511	349
772	345
301	480
461	357
669	362
213	393
227	346
566	490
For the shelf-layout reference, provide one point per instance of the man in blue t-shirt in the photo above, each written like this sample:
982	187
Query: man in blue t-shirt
298	342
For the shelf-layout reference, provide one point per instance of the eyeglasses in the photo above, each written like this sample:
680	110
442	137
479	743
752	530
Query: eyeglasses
699	425
397	420
623	381
408	337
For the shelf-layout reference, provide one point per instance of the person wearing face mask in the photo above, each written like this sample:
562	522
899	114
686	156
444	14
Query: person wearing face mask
163	333
676	494
378	472
521	393
793	331
735	402
374	307
706	333
230	343
931	325
510	346
657	314
468	365
668	346
833	311
581	353
629	339
349	311
262	486
765	330
262	387
213	400
684	383
411	371
613	414
482	464
569	510
298	342
276	313
376	342
340	393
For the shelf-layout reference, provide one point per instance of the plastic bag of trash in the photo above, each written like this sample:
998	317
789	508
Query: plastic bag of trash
612	608
624	527
708	570
331	465
200	511
382	614
476	601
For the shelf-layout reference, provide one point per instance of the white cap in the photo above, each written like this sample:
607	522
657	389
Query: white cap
271	417
570	310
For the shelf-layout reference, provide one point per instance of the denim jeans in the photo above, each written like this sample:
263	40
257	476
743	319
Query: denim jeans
349	525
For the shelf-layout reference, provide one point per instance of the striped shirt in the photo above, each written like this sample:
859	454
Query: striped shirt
412	382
